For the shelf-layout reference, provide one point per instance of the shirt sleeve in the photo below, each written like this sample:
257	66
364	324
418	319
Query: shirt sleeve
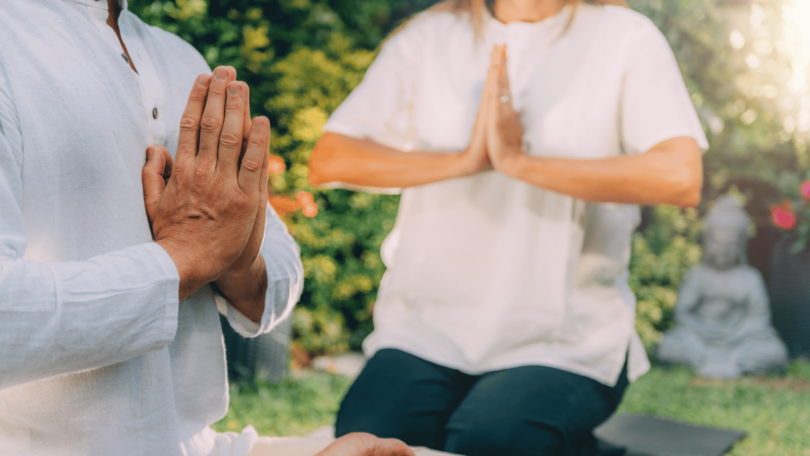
61	317
285	281
380	107
655	105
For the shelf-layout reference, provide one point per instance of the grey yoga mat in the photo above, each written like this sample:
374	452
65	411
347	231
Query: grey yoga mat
644	435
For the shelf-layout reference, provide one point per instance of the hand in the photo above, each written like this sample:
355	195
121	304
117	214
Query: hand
475	156
362	444
504	133
250	254
205	212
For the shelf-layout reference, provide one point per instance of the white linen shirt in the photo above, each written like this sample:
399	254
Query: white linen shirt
487	272
97	357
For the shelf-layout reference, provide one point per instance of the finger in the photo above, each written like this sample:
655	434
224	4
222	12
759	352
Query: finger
168	166
503	91
494	72
482	106
190	121
496	57
489	89
264	176
158	166
230	139
246	120
251	169
261	214
504	74
493	94
213	116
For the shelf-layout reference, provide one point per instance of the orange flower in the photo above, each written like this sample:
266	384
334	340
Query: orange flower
276	165
284	205
304	197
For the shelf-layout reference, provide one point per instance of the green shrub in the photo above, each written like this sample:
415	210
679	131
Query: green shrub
662	254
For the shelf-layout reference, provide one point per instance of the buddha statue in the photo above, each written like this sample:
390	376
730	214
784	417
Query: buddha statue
722	316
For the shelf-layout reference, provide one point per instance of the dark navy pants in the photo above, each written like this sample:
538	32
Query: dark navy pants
531	410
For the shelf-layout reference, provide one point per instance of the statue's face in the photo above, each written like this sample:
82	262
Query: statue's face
722	247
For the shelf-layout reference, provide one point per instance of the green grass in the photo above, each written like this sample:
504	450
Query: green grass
774	411
301	403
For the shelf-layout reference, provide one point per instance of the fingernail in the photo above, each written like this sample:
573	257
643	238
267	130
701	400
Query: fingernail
149	153
221	74
202	81
258	124
234	90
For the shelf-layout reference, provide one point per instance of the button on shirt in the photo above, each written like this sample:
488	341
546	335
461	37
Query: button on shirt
487	272
97	357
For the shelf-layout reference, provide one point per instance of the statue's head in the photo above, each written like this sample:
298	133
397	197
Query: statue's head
725	239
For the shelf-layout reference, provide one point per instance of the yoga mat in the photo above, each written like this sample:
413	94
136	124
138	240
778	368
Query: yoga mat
644	435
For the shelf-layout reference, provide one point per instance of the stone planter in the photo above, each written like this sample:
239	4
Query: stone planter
789	291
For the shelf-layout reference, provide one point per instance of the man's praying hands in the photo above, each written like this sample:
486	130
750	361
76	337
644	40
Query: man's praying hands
209	214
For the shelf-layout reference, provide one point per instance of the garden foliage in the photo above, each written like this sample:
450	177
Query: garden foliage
302	57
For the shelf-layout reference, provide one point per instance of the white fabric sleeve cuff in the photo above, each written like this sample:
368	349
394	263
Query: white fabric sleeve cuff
240	323
172	289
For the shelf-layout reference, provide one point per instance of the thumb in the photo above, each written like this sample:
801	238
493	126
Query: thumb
155	172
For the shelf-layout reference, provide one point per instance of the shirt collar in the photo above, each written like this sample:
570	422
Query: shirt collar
102	4
490	21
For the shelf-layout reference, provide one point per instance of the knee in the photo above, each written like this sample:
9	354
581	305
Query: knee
514	439
353	418
386	423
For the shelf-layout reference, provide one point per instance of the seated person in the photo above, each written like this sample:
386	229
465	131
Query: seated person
504	324
111	272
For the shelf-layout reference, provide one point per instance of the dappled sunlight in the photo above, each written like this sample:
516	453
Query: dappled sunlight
773	40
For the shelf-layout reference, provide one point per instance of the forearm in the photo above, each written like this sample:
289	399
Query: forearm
363	162
659	176
62	317
246	292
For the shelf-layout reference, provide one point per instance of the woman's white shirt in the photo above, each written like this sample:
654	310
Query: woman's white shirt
487	272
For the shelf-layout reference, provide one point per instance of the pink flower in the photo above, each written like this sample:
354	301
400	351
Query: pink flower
783	216
805	189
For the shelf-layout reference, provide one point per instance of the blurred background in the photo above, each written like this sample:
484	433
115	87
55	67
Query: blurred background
746	66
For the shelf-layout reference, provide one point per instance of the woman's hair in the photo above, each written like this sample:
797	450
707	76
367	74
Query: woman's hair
475	8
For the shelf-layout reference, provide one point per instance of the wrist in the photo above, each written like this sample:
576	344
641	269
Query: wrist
248	284
463	165
512	164
245	290
233	274
469	162
192	276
